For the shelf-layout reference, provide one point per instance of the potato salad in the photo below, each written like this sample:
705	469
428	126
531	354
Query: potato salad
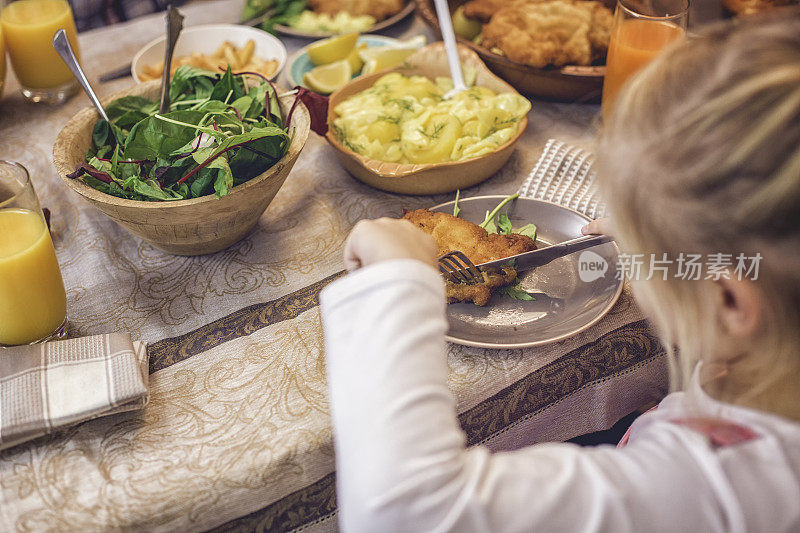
404	119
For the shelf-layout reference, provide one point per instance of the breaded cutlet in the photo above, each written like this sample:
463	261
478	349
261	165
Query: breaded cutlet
452	233
379	9
553	32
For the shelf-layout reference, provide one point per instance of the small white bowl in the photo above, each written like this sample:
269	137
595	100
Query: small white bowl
206	39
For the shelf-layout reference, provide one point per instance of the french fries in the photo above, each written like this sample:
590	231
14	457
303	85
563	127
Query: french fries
239	59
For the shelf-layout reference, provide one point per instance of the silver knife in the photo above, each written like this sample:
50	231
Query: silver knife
537	258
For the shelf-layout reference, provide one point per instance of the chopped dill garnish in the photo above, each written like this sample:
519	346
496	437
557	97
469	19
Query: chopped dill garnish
437	130
401	103
342	136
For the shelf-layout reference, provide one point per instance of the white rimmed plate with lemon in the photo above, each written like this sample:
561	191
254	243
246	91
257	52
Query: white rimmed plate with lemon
326	65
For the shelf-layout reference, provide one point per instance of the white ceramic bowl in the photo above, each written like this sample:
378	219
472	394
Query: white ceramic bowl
206	39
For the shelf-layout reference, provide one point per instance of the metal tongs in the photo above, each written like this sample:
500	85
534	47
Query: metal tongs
457	267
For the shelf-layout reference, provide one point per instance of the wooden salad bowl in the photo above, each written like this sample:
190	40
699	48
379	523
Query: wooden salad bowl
183	227
428	178
570	83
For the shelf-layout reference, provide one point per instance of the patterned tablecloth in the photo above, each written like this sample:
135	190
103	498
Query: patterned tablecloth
237	434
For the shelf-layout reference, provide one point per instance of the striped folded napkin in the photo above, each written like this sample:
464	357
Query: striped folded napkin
48	386
564	175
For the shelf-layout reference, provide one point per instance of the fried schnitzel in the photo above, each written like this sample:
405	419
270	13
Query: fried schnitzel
544	32
379	9
555	32
483	10
453	233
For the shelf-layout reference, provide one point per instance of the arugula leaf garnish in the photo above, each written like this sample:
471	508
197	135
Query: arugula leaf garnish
504	224
516	292
456	208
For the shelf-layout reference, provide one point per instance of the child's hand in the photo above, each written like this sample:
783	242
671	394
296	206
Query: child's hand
601	226
372	241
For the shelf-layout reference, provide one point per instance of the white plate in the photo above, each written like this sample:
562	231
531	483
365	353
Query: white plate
206	39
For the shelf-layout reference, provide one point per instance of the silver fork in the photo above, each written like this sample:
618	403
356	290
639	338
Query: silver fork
456	267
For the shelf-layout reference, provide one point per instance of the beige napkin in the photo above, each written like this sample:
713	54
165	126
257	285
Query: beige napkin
44	387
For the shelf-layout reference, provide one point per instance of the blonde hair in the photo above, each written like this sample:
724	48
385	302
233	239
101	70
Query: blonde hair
702	155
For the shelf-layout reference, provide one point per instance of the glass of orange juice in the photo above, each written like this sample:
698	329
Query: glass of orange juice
642	28
33	303
28	27
2	61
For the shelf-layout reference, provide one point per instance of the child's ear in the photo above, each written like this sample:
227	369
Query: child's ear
742	307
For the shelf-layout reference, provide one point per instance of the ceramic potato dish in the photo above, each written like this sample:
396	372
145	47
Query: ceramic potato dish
428	178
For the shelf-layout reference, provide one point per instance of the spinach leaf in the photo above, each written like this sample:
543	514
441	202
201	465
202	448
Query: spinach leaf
228	88
191	79
150	189
109	188
128	110
259	95
151	137
224	180
100	133
203	180
242	105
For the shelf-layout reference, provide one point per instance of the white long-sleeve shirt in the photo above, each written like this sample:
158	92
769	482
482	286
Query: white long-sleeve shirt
402	462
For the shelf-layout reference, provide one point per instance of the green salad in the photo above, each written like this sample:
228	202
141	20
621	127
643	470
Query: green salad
217	134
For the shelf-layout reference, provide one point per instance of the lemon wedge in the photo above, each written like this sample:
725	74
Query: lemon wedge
387	59
414	43
328	78
355	59
332	49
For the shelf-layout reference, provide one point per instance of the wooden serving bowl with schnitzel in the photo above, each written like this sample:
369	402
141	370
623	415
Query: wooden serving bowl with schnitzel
428	178
569	83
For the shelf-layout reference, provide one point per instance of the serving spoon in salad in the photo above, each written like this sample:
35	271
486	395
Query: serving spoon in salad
62	46
174	26
450	48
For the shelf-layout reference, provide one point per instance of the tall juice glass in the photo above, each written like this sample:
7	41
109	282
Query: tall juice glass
2	61
29	26
641	31
33	303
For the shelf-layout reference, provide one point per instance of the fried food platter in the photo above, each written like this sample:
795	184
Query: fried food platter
565	304
568	83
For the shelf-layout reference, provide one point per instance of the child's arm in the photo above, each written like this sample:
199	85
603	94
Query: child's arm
402	464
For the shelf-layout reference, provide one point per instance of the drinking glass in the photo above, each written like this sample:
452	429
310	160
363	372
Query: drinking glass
29	26
33	303
2	61
642	29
